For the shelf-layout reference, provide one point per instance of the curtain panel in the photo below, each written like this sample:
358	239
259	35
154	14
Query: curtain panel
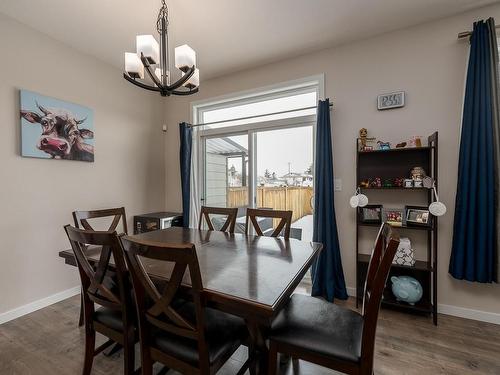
186	142
474	255
327	272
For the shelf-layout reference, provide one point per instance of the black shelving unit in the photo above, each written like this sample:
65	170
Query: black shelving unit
390	164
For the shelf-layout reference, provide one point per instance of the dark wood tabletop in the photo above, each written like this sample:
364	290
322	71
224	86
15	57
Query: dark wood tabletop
249	276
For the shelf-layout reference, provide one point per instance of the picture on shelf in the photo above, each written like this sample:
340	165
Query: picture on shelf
371	213
419	216
394	216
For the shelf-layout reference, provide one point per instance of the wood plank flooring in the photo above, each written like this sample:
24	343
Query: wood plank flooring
48	341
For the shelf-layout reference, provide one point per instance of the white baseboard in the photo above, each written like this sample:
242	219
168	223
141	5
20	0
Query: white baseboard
351	292
462	312
37	305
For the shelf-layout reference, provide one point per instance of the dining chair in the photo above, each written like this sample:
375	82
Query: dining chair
284	222
115	317
182	334
81	219
334	336
230	214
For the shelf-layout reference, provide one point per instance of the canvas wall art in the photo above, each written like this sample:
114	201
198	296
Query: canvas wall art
55	129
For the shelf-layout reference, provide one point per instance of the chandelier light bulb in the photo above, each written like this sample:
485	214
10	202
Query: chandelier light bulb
133	65
149	47
194	81
185	57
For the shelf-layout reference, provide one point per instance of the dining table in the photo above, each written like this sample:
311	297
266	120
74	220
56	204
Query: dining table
248	276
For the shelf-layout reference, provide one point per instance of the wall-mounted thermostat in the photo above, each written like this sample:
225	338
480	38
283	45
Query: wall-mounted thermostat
391	100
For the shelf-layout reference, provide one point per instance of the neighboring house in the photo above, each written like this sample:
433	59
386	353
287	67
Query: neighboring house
298	179
271	180
219	174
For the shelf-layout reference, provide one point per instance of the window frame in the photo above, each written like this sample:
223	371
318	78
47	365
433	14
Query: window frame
280	90
289	88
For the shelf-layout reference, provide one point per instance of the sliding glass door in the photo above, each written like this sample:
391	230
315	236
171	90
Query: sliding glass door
268	168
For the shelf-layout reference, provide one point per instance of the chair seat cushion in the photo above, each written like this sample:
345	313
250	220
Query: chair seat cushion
319	327
109	318
224	333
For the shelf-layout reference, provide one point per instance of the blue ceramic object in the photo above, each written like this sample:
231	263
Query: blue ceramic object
406	289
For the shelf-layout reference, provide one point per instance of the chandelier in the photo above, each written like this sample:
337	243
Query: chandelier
155	60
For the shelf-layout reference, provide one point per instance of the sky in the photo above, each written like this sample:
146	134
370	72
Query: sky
277	148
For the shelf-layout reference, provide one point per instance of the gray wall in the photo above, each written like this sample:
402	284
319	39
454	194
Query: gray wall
38	195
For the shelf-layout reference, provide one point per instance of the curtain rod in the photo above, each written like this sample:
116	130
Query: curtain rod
466	34
256	116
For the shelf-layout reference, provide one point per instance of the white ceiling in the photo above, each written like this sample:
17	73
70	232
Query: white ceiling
228	35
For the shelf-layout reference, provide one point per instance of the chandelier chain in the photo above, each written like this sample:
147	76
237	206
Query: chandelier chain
162	14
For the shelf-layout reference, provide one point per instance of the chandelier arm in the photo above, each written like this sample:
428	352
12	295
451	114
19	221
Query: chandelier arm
140	84
182	80
151	74
193	91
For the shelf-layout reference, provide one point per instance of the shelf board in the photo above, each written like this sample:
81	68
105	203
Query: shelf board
421	306
416	227
396	150
420	265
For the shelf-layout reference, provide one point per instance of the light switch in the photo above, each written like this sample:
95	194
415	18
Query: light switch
338	184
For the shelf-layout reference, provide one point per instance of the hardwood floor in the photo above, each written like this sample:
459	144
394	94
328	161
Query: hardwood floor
48	341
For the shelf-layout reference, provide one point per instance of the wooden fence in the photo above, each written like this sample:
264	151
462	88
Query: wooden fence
296	199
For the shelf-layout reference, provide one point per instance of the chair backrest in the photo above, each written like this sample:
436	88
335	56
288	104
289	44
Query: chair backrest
383	253
228	225
284	216
157	308
81	218
108	289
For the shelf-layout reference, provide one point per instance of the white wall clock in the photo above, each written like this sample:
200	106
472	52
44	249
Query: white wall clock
391	100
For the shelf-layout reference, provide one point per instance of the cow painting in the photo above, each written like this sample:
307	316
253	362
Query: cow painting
56	132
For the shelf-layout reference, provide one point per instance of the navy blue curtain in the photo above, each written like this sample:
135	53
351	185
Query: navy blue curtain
474	247
186	140
327	273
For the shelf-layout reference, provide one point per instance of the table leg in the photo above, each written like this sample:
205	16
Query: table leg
258	348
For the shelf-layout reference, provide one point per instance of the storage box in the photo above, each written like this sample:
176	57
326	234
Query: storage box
405	255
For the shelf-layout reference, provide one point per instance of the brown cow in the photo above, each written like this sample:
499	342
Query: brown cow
61	138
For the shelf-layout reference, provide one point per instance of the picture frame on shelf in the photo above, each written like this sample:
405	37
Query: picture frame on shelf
371	214
394	216
418	216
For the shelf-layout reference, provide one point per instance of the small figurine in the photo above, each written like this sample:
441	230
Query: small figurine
388	183
399	182
416	141
384	145
364	183
401	145
363	139
376	182
408	183
417	173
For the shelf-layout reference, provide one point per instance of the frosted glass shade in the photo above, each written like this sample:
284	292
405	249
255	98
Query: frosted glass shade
133	65
185	57
149	47
194	81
